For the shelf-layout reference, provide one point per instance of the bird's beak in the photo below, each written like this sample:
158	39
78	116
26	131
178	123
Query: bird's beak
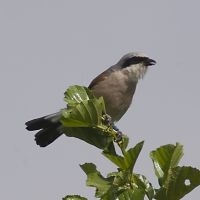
151	62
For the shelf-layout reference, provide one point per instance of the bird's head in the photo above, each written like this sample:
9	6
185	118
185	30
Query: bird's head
135	64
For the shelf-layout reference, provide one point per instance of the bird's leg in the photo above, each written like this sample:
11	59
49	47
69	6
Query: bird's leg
119	133
109	122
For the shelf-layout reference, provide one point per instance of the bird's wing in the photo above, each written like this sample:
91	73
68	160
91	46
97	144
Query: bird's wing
99	78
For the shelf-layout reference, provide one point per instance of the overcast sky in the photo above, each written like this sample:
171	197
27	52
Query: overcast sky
46	46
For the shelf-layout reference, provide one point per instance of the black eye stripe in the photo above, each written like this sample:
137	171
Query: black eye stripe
135	60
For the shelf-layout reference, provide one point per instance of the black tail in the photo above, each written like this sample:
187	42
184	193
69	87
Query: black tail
49	129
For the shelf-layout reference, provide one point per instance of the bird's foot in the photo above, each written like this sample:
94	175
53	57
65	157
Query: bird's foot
108	121
118	133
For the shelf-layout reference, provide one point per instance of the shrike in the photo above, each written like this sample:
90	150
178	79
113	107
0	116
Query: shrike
117	85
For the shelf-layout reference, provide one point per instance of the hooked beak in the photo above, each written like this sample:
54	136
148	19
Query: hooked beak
150	62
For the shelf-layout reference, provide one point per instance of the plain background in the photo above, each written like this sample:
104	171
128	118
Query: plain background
46	46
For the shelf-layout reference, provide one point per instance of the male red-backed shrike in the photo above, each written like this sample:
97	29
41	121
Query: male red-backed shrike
117	85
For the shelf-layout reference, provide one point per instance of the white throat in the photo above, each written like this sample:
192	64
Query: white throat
136	72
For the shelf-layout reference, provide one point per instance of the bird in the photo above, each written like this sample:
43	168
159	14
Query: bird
116	85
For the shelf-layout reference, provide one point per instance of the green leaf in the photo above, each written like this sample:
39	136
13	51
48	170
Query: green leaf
116	159
181	181
83	118
132	154
142	183
121	179
83	109
124	144
117	185
76	94
129	194
128	160
95	179
87	113
92	136
74	197
165	158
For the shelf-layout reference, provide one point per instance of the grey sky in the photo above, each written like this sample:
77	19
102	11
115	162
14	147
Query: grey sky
46	46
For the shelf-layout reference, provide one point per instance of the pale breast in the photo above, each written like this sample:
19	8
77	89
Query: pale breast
117	92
